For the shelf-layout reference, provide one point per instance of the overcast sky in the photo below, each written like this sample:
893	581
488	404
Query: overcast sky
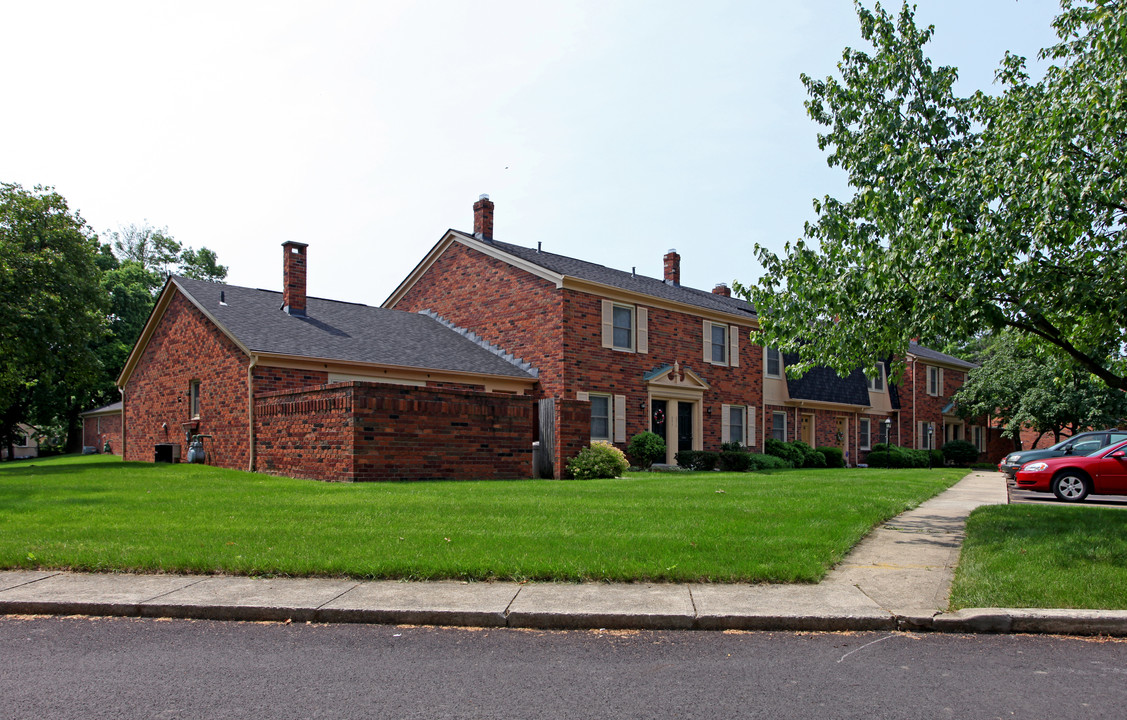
609	131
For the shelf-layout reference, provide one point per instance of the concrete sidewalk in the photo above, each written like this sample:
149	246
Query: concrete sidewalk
898	578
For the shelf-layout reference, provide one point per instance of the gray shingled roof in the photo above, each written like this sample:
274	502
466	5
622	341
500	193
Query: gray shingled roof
821	384
564	265
928	354
343	331
104	410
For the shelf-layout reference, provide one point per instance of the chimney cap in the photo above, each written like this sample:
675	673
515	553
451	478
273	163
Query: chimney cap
483	196
671	250
295	243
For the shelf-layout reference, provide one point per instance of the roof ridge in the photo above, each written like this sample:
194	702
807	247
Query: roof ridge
483	343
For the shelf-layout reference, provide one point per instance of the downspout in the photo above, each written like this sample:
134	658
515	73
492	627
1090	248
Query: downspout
123	433
250	410
914	438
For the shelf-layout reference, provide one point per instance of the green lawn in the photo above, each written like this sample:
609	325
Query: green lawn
1043	556
97	513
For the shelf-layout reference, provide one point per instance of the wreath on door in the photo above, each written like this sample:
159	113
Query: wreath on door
659	417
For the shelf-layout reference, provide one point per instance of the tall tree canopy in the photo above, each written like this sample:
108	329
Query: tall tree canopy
52	310
968	213
1021	384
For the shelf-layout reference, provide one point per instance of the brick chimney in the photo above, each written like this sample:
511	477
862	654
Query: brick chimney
293	278
722	289
673	267
483	218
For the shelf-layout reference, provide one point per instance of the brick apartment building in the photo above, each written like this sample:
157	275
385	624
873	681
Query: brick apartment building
483	349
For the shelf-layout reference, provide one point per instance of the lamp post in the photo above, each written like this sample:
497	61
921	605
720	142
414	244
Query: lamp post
888	431
930	433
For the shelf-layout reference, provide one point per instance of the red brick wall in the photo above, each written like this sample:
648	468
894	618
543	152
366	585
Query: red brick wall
405	433
271	379
573	432
96	430
513	309
306	433
920	407
672	337
186	346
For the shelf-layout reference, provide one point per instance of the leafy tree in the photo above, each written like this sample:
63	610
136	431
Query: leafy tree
1023	383
52	310
155	250
968	214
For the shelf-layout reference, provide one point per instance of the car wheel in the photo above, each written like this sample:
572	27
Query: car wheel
1071	486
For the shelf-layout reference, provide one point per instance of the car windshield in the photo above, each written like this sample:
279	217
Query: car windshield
1087	447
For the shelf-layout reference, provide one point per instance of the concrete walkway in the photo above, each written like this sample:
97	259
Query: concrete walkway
897	578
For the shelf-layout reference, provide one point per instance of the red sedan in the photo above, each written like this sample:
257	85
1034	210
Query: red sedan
1073	477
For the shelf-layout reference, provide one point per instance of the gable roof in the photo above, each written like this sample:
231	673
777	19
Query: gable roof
111	409
923	353
558	267
338	331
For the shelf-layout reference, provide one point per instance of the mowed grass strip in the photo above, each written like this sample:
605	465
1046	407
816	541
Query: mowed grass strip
96	513
1043	556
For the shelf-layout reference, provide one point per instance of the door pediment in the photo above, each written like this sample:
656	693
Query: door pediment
677	379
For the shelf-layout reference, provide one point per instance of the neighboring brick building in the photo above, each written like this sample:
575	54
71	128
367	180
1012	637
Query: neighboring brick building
322	389
650	354
102	427
483	349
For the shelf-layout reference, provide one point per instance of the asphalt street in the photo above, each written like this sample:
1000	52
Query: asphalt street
1038	498
140	668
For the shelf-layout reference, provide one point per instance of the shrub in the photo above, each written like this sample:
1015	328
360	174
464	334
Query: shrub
697	459
835	456
646	448
600	460
735	460
960	452
936	457
767	462
811	458
731	447
783	450
891	456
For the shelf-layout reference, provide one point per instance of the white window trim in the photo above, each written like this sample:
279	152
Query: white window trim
766	364
774	414
938	380
726	425
639	327
610	416
709	356
867	423
194	399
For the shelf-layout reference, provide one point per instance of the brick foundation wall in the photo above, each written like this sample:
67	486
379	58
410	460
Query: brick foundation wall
405	433
306	433
98	429
186	346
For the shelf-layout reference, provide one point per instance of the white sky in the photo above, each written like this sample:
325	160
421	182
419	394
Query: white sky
609	131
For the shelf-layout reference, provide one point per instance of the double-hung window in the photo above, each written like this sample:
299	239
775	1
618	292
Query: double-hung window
774	363
779	426
600	418
734	425
979	435
721	344
625	327
934	381
194	399
623	323
864	433
876	382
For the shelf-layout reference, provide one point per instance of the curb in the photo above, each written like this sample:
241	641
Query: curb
969	621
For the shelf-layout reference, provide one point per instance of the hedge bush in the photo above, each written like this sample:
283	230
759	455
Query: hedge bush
734	461
959	452
645	449
892	456
599	460
768	462
783	450
811	458
697	459
835	456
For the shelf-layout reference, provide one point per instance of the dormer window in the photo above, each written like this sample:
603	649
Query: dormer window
876	382
774	363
